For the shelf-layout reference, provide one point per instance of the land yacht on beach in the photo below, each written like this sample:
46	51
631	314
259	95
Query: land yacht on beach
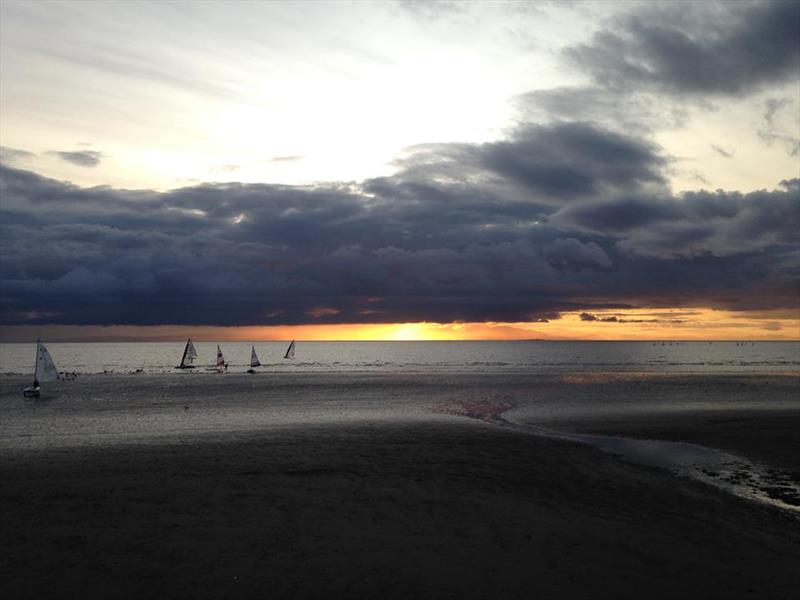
220	365
189	354
45	370
254	362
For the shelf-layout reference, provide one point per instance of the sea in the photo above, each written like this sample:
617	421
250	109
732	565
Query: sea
415	356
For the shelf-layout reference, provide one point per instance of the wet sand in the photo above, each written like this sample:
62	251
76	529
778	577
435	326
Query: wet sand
384	502
762	435
754	416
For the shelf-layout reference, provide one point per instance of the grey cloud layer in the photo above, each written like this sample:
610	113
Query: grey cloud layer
82	158
771	132
648	69
717	48
555	218
11	155
575	215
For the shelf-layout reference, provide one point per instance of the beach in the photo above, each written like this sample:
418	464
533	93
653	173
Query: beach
387	485
400	300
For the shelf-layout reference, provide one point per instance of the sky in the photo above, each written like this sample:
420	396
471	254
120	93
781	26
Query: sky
400	170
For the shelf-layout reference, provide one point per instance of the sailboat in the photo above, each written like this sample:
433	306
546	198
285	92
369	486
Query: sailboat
289	351
221	364
254	362
189	354
45	370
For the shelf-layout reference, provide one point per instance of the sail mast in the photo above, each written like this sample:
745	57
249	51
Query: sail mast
36	363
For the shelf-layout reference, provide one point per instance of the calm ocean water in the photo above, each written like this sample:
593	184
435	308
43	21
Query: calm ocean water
483	356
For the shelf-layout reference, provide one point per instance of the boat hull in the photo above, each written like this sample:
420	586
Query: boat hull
31	392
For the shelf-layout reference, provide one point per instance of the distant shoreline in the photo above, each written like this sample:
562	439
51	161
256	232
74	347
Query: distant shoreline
323	341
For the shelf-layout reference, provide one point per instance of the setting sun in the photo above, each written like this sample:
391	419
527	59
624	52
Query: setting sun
639	324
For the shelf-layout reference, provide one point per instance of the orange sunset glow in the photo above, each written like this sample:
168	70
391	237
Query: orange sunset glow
639	324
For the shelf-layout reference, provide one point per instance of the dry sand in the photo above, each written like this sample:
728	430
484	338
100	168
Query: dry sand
384	504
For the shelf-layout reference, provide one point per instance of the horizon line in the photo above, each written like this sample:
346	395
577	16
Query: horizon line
354	341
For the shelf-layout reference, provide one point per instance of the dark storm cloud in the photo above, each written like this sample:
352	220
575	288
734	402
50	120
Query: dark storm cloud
711	48
82	158
549	164
570	254
572	160
718	223
648	69
620	319
555	218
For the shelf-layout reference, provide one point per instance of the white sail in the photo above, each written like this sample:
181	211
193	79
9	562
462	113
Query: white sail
45	368
191	353
289	351
254	358
220	358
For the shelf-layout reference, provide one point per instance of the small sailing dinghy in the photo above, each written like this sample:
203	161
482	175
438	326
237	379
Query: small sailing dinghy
254	362
289	351
189	354
45	370
221	364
